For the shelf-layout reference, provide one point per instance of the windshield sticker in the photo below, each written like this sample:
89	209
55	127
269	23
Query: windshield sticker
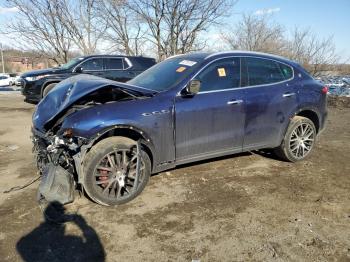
181	69
187	63
221	72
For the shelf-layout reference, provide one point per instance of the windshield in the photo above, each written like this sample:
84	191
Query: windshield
71	63
166	74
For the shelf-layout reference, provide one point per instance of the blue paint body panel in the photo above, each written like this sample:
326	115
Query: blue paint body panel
187	128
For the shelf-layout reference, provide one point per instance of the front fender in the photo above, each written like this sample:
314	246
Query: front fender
152	120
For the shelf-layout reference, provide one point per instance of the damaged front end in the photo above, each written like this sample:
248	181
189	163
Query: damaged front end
58	144
55	161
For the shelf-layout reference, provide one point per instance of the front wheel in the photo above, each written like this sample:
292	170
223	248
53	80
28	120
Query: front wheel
110	171
298	141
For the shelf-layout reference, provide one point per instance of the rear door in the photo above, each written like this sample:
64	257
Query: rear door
115	69
211	122
270	101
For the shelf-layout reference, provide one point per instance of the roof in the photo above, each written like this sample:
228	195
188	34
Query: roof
215	55
113	56
247	53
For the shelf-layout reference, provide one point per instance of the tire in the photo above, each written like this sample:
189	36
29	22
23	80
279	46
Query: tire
297	145
97	157
48	88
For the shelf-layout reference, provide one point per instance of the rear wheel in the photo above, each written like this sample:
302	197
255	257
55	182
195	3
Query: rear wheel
298	141
110	171
48	88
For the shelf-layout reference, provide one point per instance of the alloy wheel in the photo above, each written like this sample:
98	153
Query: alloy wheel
115	175
301	140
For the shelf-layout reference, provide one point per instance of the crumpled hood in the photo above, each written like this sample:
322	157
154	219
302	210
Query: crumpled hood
68	92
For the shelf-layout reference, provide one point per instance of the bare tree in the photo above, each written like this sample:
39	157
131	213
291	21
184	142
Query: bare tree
256	33
125	30
317	55
38	25
83	23
174	26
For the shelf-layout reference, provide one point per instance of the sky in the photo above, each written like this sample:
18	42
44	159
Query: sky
324	17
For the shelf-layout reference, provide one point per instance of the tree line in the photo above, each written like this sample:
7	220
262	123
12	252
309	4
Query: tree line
60	29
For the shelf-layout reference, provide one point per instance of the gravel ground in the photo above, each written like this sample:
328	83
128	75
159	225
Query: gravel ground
246	207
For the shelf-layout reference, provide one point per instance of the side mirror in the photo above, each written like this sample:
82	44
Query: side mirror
78	70
192	88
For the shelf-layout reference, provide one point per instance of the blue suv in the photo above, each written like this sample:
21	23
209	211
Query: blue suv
108	137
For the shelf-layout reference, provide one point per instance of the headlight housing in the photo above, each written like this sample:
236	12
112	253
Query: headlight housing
34	78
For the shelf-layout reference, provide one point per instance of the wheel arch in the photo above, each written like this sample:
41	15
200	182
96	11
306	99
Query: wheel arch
129	132
310	114
304	112
43	86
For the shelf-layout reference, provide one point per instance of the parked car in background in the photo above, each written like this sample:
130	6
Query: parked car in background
109	136
17	81
36	84
5	80
13	77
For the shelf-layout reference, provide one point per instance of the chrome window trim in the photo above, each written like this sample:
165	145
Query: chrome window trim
122	58
239	88
127	60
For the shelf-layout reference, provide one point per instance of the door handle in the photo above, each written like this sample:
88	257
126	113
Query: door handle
288	94
234	102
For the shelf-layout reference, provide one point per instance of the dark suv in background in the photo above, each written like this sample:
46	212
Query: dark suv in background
36	84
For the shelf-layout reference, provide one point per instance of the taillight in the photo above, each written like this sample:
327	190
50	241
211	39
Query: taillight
324	90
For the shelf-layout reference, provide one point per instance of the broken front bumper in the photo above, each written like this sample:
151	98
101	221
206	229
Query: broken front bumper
57	182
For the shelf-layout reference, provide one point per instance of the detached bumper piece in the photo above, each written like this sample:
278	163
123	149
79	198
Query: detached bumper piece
57	184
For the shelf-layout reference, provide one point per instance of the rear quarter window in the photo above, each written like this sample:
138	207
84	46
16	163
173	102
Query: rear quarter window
142	63
287	71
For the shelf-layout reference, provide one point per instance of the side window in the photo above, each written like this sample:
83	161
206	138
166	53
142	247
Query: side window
224	74
94	64
113	63
263	71
287	71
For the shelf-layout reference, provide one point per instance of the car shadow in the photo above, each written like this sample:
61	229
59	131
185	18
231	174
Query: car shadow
268	153
206	161
49	241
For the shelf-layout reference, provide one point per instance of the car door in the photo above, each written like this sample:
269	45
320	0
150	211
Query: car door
270	101
114	69
211	122
93	66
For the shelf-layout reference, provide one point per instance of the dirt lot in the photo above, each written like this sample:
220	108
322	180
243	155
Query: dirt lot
247	207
